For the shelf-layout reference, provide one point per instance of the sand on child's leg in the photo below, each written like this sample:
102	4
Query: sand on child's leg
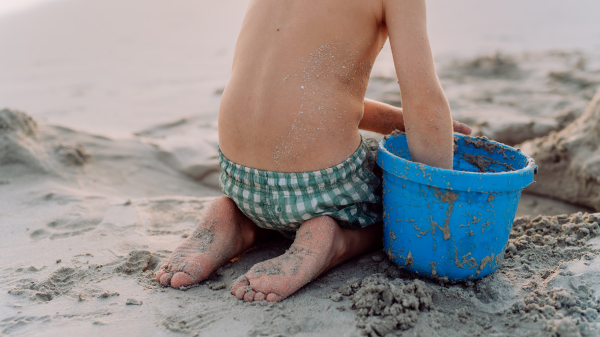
320	245
223	233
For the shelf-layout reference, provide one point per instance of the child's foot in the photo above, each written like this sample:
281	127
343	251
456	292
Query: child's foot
319	246
224	233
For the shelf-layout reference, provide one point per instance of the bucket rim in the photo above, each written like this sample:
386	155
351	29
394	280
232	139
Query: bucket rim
456	180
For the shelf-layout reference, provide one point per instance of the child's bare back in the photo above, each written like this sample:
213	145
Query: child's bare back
291	155
301	68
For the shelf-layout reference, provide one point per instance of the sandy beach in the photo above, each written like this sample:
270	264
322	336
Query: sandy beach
108	145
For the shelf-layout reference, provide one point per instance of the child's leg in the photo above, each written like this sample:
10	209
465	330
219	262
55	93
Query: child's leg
319	246
223	233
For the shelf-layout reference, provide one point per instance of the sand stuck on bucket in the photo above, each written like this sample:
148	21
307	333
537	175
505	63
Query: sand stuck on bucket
451	224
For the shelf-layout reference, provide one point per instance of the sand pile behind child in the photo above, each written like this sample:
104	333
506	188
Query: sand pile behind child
569	160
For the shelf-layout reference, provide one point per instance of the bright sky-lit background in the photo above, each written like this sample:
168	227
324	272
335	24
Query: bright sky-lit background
118	66
11	6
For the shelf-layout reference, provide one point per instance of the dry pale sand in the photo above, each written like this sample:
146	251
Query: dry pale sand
88	219
87	216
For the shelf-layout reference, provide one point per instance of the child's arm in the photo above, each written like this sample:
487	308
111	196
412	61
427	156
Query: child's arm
427	115
384	118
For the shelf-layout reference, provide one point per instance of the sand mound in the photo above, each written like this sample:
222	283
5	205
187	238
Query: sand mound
189	146
569	160
127	167
19	142
26	148
510	98
509	127
384	306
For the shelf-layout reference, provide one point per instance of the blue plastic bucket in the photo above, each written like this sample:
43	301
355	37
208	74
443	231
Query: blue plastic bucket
451	224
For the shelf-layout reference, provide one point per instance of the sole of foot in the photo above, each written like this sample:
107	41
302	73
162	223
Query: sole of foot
222	234
316	249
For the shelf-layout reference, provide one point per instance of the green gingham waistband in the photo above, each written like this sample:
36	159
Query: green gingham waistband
286	181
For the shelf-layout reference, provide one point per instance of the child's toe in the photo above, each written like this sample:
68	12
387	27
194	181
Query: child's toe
260	296
181	279
240	292
159	274
274	298
241	281
165	279
249	295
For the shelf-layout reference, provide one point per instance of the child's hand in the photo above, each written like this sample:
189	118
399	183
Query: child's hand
461	128
384	118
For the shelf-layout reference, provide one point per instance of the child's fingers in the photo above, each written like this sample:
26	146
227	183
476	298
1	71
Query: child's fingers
461	128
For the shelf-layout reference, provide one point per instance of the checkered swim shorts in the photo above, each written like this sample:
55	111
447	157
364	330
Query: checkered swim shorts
349	192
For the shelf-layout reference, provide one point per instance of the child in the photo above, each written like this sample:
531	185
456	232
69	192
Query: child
291	155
